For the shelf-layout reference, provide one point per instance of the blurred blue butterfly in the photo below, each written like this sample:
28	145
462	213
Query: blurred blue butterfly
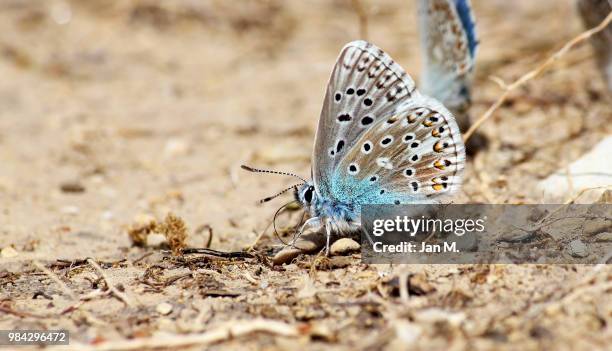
379	140
449	43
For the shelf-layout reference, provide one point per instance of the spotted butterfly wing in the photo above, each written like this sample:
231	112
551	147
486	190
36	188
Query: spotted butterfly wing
413	155
448	37
365	85
400	147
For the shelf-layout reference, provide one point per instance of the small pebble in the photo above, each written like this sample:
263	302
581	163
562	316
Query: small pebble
164	308
578	249
606	197
596	225
307	243
155	239
70	210
344	246
590	171
604	237
176	147
72	187
8	252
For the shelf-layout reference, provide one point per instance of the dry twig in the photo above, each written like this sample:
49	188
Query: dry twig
403	286
227	331
109	284
55	279
202	228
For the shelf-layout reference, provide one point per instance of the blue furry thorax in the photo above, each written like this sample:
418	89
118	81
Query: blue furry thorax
337	211
322	207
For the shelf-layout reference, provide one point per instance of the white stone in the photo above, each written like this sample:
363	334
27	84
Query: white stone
605	237
592	170
176	147
343	246
70	210
164	308
8	252
155	239
578	249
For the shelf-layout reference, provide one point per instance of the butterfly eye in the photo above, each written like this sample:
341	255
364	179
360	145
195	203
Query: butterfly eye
308	194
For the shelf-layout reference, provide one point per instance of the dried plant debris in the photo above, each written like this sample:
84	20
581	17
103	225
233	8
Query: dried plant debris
72	186
143	226
175	230
417	284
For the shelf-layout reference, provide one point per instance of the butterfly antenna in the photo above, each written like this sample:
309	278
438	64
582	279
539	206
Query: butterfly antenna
257	170
278	194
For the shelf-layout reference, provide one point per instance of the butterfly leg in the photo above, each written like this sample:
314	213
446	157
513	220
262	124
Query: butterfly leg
313	222
328	225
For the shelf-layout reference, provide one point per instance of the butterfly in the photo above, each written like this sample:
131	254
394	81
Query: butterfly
449	44
378	141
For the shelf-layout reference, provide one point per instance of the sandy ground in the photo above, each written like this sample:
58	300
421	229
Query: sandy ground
112	112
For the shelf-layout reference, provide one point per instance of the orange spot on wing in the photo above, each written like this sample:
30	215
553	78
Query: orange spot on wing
438	147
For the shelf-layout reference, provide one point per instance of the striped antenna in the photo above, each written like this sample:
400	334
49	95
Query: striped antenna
257	170
279	194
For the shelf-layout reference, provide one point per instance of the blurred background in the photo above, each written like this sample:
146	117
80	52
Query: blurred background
115	109
113	113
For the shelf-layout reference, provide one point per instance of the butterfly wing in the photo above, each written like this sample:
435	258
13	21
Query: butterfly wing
414	155
365	85
448	37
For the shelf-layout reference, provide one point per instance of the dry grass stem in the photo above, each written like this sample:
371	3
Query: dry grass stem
55	279
227	331
109	284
